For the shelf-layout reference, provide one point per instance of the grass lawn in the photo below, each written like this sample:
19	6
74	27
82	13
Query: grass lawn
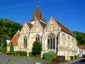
38	58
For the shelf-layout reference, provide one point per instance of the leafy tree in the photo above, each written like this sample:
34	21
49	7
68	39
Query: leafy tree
80	37
37	48
7	29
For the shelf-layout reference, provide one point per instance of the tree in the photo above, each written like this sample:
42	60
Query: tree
11	48
7	30
37	48
80	37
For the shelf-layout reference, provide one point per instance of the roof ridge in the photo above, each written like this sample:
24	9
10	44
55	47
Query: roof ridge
14	39
16	33
64	28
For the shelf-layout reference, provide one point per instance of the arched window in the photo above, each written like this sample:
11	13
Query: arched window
37	37
51	41
25	42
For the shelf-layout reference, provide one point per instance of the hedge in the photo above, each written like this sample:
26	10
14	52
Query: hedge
21	53
49	56
3	50
73	57
59	59
17	53
8	53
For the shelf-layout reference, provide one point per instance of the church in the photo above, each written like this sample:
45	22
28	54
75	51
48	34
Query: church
53	35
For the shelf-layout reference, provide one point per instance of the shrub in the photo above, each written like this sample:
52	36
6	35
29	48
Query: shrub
30	54
73	57
14	53
3	50
76	57
21	53
8	53
49	56
59	59
17	53
37	48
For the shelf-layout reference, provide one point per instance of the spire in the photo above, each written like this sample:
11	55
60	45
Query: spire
38	14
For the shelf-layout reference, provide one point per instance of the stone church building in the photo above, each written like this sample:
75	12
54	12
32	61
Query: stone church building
53	35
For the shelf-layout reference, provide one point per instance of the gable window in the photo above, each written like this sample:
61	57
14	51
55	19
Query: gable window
51	41
25	42
37	37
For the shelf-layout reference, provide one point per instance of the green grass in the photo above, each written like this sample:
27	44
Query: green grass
37	58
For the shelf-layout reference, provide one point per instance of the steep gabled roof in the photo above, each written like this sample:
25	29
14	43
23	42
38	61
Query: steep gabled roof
30	25
64	29
14	39
38	14
43	24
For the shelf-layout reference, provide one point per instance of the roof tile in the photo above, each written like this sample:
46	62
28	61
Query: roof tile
14	40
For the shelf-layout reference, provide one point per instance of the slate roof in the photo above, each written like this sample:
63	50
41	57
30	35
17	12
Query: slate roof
65	29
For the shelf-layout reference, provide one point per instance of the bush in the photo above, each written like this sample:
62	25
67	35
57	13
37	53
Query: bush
59	59
21	53
37	48
3	50
8	53
73	57
76	57
49	56
17	53
30	54
14	53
